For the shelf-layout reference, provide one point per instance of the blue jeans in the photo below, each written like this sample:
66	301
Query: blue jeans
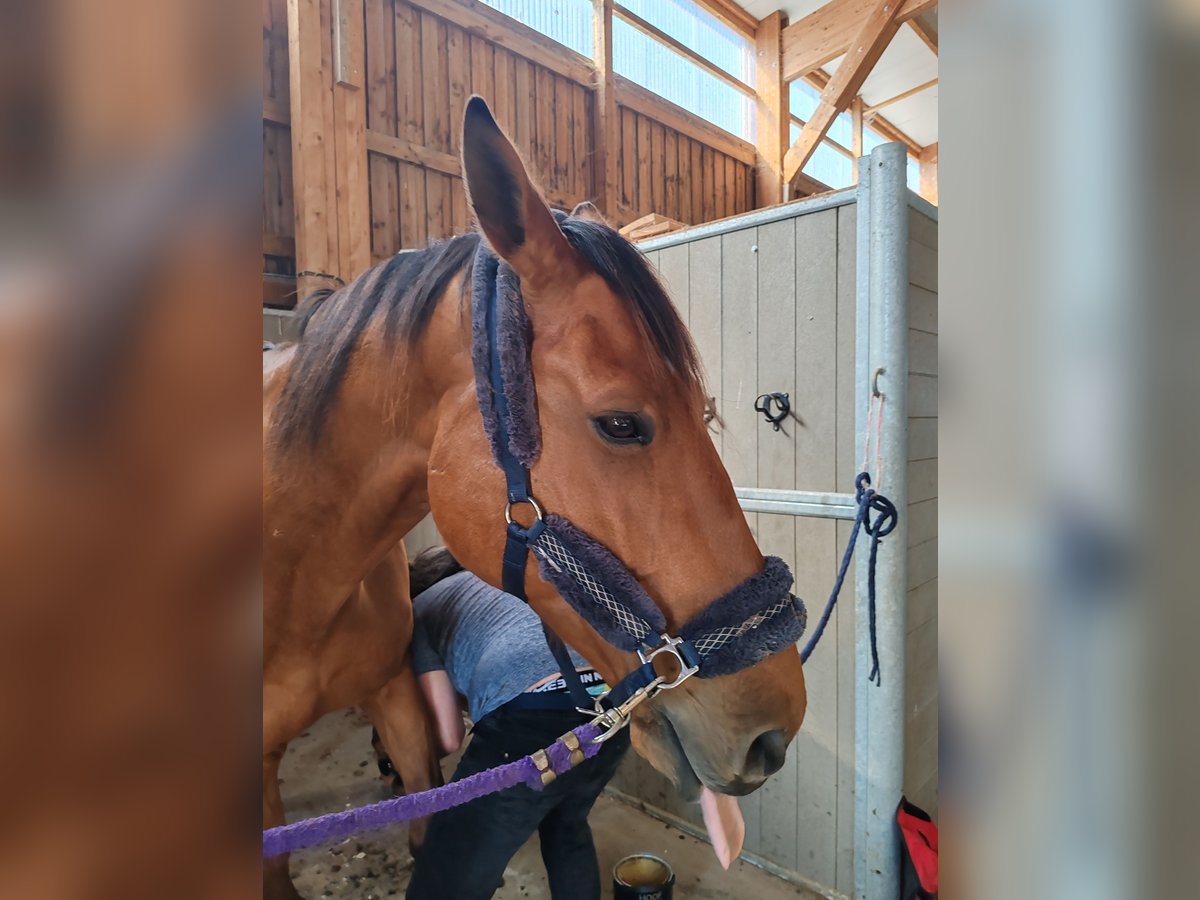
467	848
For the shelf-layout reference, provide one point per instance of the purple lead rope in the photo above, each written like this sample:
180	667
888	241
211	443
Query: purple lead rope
331	827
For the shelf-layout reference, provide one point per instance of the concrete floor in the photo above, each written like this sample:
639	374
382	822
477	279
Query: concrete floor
332	767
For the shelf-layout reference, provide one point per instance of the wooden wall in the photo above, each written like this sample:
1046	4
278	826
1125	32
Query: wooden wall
420	71
279	226
421	60
661	170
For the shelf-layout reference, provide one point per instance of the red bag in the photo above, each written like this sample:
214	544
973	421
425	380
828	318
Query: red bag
919	846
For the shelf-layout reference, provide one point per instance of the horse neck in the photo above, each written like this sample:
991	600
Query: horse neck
332	511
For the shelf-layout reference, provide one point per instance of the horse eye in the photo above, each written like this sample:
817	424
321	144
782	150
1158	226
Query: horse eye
622	428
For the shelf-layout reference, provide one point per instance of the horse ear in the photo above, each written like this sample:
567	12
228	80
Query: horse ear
587	210
510	211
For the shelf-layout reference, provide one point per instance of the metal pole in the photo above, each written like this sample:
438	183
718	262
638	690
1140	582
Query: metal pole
882	343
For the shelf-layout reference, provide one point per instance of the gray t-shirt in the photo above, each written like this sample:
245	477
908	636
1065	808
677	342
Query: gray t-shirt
490	643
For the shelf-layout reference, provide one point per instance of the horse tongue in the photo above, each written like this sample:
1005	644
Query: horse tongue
726	827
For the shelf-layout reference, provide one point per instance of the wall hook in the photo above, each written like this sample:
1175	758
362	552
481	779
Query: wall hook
782	403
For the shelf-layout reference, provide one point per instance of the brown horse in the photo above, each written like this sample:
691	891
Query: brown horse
372	422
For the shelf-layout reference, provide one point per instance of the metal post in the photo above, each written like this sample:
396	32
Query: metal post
882	343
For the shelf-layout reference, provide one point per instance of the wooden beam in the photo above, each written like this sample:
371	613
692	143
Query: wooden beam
925	32
275	110
637	98
928	185
856	133
866	48
278	245
806	186
316	218
507	32
819	79
606	127
875	107
845	151
732	14
771	110
412	152
826	33
352	187
682	49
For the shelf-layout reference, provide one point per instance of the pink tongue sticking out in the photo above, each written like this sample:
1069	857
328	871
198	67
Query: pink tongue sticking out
726	827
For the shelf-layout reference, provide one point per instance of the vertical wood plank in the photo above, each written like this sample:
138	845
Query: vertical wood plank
671	173
564	141
547	123
696	174
628	158
410	98
775	329
436	86
581	179
414	226
657	168
483	75
434	78
458	66
707	188
504	91
381	82
438	222
410	119
682	161
731	166
645	195
524	109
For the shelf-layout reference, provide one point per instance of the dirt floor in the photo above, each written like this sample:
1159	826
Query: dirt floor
332	767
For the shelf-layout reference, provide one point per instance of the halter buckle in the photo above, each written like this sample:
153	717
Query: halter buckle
669	645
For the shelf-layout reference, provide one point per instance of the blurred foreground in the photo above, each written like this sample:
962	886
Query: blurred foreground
130	449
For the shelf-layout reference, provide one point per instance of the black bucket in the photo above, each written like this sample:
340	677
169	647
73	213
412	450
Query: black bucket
643	877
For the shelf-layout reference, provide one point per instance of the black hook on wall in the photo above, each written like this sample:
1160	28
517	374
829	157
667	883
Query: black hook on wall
782	403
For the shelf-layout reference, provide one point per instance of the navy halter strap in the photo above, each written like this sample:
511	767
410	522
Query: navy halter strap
757	618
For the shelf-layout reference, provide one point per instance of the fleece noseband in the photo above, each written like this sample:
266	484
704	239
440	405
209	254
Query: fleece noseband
757	618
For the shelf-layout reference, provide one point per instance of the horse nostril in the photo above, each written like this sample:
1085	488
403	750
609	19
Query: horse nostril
767	753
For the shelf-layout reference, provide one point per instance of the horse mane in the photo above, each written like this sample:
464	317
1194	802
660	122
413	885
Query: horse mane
406	289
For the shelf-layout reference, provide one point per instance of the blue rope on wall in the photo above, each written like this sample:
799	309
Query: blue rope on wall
878	528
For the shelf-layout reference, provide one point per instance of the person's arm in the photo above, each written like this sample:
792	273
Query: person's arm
443	700
438	690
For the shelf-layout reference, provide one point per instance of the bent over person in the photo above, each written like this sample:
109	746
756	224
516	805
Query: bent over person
473	641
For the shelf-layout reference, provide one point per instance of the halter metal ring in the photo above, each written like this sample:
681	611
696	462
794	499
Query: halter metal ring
670	645
508	508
